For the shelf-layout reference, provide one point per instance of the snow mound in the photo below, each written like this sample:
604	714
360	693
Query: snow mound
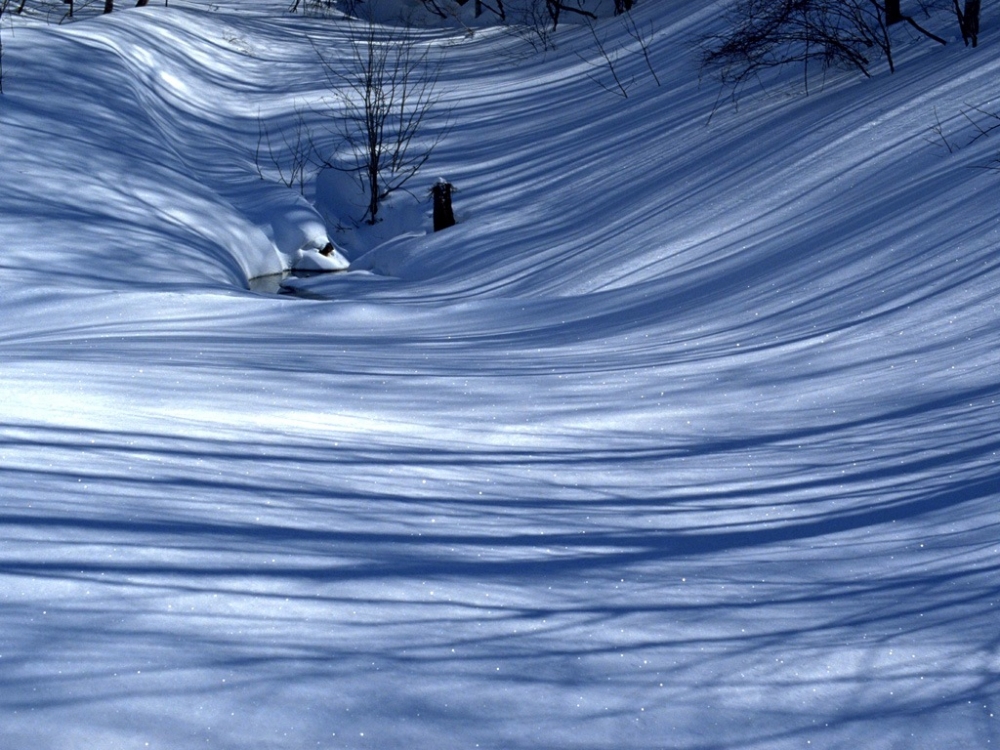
316	260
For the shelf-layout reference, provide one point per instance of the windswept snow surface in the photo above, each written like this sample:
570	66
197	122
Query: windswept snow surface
684	437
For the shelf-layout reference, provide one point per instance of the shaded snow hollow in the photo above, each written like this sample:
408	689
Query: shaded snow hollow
684	436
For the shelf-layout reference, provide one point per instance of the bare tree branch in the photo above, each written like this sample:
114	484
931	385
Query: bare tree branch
291	158
620	87
765	34
634	32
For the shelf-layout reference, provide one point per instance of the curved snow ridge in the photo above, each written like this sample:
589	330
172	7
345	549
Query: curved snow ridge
189	112
792	209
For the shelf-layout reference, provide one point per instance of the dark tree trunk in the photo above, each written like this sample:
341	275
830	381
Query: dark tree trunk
970	31
499	11
893	13
109	5
968	21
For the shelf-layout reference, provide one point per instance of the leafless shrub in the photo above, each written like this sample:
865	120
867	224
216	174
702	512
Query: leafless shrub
287	156
764	34
983	122
385	96
988	122
938	130
536	21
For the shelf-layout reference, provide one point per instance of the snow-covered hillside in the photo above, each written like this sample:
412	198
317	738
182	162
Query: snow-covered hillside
684	437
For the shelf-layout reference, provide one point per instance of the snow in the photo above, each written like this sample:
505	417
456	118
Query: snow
684	436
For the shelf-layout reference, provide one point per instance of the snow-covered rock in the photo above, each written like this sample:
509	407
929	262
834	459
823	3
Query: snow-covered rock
319	260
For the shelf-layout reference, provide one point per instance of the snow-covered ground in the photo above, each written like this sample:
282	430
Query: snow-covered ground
684	437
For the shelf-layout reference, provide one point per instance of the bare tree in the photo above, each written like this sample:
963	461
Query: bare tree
764	34
385	94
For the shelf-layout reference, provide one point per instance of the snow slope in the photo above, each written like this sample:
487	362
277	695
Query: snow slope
683	437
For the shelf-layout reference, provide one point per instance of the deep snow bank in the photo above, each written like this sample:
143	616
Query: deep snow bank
131	147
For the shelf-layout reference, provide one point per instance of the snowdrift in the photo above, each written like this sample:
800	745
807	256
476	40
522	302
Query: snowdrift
684	436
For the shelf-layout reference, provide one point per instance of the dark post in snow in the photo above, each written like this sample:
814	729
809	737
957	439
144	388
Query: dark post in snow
444	217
